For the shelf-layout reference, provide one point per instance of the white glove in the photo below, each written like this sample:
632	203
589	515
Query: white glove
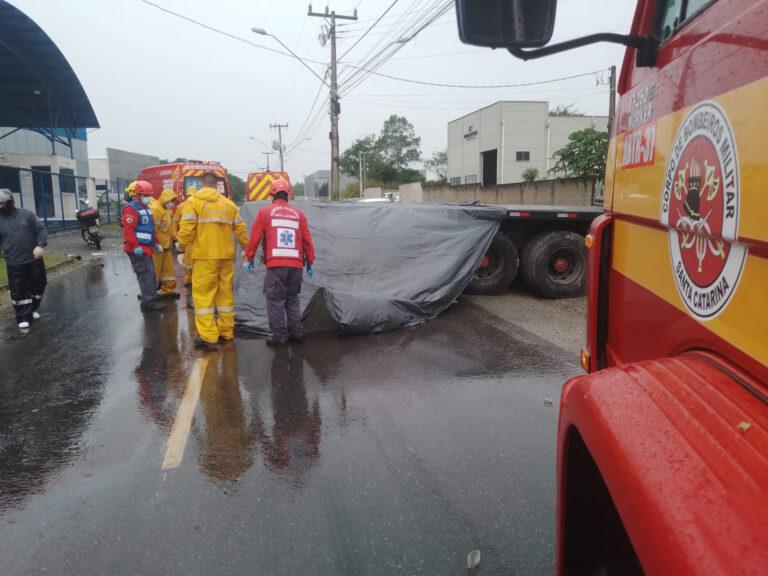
178	248
180	258
158	248
38	252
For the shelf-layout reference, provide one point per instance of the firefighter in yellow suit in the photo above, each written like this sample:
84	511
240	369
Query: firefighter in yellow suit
185	259
206	229
163	259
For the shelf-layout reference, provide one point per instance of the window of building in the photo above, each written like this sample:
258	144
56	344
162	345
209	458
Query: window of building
456	181
471	179
523	156
67	180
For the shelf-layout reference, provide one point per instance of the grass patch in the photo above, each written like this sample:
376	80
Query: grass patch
51	259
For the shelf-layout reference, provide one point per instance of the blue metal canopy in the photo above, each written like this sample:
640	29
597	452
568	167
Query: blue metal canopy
38	88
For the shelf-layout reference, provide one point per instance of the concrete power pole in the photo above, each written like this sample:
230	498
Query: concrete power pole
335	105
280	141
612	102
268	154
362	175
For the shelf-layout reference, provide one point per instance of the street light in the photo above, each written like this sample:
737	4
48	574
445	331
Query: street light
262	32
259	141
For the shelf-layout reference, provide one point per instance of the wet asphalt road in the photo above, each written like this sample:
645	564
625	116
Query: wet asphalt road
389	454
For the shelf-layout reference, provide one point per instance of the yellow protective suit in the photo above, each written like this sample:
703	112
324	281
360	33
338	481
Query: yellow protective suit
205	231
164	267
187	256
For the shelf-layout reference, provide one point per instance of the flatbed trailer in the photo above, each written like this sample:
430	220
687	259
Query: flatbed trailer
542	244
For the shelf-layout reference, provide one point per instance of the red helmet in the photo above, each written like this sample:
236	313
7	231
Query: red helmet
143	188
280	186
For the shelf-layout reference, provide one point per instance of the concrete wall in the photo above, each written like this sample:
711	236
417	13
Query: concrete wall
572	192
413	192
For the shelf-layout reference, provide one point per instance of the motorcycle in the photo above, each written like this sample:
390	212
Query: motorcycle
89	225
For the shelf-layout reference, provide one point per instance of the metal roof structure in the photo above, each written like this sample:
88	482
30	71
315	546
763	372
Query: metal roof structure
38	88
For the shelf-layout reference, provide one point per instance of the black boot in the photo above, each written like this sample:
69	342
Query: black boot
272	343
152	306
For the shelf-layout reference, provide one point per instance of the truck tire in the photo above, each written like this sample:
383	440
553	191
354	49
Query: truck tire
498	269
555	264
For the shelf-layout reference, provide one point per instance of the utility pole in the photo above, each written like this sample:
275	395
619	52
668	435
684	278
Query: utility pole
362	175
280	141
268	154
335	105
612	102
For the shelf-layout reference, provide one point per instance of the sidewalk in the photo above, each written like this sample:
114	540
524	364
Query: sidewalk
67	250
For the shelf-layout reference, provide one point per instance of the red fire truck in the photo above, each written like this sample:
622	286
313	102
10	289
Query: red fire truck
663	447
181	176
258	184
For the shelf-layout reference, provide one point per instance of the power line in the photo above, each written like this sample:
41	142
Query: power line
479	86
381	57
222	32
386	38
369	29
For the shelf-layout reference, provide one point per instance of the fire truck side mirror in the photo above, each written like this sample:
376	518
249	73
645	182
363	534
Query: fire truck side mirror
506	23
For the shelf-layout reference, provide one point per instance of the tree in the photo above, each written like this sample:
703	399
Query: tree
352	190
388	155
530	174
349	161
398	143
237	185
566	110
438	164
298	189
583	156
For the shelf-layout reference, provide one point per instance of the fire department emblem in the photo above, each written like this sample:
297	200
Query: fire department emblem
700	207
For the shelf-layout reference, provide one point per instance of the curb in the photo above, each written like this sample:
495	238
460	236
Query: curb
56	266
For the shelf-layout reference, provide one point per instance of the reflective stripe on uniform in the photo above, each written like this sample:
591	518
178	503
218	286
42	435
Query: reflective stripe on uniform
189	217
21	302
37	296
167	278
215	221
226	308
285	253
280	223
203	311
238	220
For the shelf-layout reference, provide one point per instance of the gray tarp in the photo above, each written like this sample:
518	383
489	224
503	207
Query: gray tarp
380	266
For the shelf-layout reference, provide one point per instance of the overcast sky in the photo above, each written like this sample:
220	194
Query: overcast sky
163	86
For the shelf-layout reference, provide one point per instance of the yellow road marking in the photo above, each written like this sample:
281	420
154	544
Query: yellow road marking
177	441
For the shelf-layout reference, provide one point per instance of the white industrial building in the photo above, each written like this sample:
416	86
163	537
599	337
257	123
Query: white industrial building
495	144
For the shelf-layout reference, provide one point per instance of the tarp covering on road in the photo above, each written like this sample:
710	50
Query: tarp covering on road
380	266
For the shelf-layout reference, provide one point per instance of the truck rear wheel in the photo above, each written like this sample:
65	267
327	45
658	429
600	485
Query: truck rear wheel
555	264
498	269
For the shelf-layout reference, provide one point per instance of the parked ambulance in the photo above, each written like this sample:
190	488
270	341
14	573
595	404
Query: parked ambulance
182	176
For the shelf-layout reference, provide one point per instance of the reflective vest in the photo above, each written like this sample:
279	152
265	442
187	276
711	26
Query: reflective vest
283	237
145	228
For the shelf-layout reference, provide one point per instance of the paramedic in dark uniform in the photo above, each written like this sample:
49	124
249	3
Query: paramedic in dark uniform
23	238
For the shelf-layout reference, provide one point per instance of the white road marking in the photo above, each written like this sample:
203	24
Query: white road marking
177	441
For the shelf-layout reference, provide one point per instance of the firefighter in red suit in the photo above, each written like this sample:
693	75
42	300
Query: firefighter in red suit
288	247
140	243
